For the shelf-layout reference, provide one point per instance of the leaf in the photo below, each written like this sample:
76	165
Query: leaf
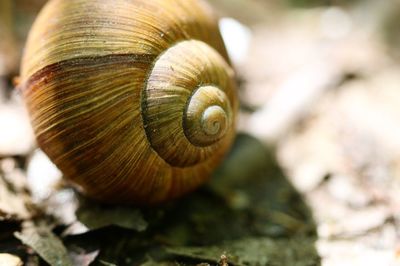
105	263
96	216
45	243
255	252
151	262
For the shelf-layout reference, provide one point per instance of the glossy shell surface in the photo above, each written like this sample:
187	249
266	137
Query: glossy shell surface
134	100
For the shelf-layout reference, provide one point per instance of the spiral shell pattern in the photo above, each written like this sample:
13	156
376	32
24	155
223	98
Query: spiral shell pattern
134	100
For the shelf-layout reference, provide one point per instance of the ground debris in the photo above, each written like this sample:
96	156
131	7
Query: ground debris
45	243
15	203
319	86
207	217
254	251
10	260
95	216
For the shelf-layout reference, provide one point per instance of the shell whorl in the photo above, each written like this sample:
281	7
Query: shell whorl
186	103
208	116
134	100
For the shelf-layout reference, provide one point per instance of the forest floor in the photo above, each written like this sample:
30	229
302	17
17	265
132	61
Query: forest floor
313	177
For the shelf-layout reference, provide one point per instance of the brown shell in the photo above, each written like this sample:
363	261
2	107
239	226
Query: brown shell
133	100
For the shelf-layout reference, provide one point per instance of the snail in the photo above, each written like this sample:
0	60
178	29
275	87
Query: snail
133	100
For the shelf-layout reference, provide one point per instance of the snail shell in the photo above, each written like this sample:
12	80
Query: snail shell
134	100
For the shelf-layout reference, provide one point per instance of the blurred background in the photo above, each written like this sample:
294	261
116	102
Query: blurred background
319	83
